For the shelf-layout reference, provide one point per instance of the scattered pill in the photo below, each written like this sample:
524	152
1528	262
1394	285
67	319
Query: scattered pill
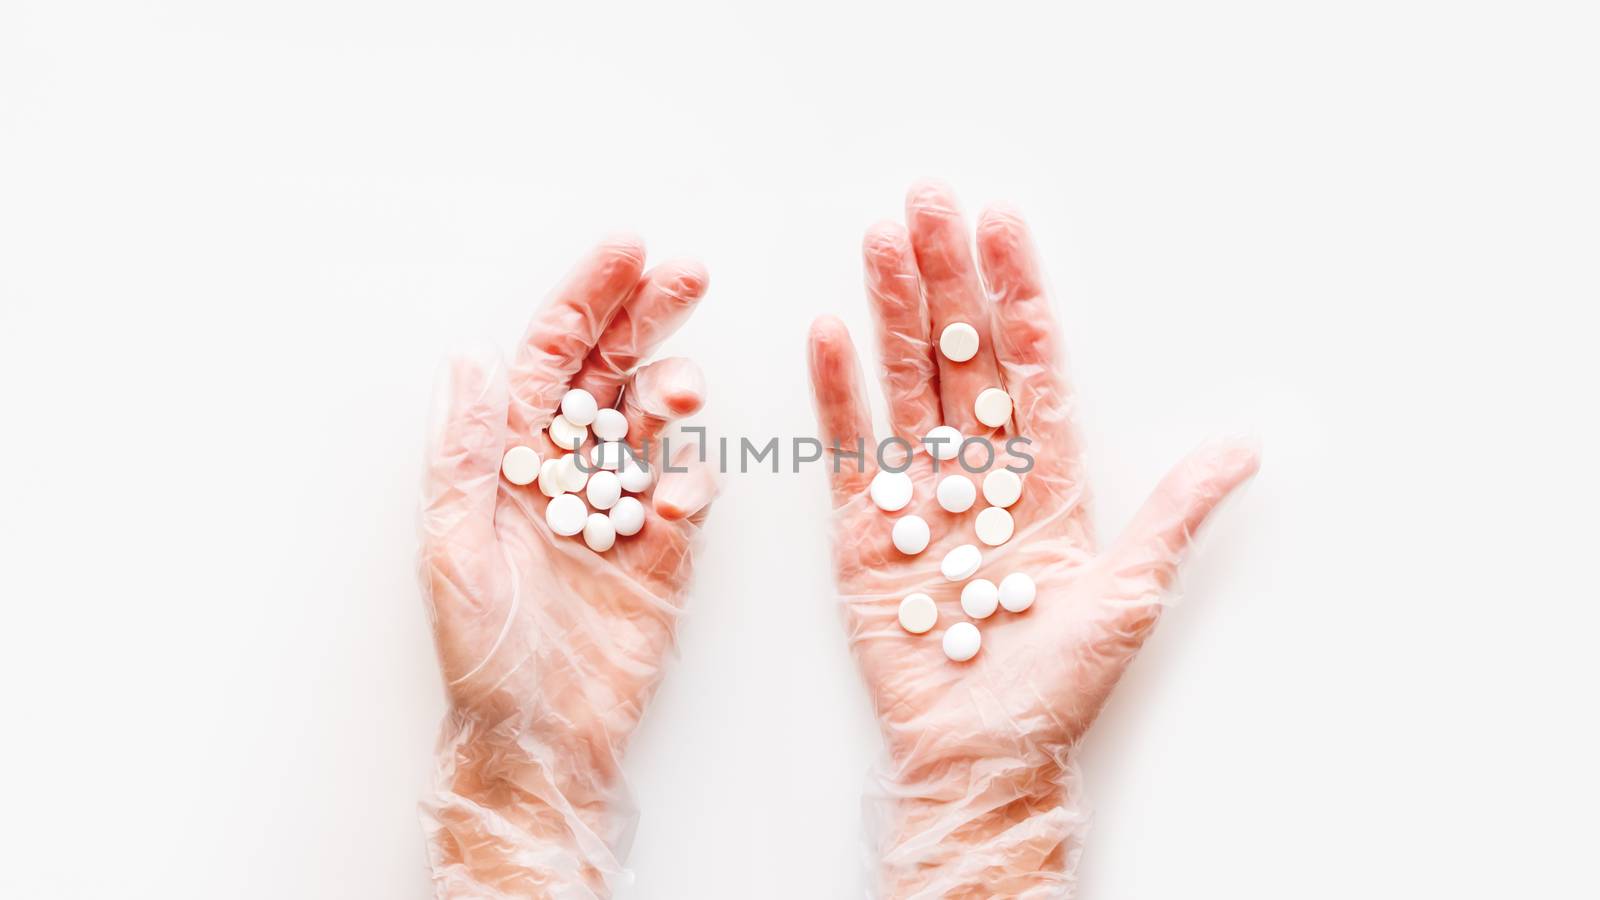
609	425
566	514
993	407
573	477
1002	487
607	455
1017	591
994	526
956	493
918	614
911	535
979	597
578	406
961	641
943	442
550	478
566	434
627	517
891	491
635	475
960	563
599	533
958	342
520	465
604	490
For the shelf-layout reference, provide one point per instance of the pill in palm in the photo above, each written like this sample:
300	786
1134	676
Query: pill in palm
994	526
609	425
566	514
956	493
635	475
958	342
1017	591
1002	487
961	641
943	442
993	407
960	563
627	516
578	406
566	434
911	535
918	614
604	489
979	597
520	465
890	491
599	533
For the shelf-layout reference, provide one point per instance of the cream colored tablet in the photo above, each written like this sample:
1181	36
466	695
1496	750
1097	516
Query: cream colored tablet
566	434
520	465
943	442
609	425
1002	487
578	406
1017	591
994	526
979	597
918	614
627	517
635	475
956	493
962	641
993	408
573	478
959	342
890	491
604	489
599	533
566	514
960	563
911	535
550	478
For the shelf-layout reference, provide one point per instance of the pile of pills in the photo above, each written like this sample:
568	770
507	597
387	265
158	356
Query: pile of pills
956	493
589	499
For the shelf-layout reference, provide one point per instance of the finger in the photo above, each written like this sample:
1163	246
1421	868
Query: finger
657	395
462	484
1027	342
686	487
660	303
567	327
909	369
843	418
941	242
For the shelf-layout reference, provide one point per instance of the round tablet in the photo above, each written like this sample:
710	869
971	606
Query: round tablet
635	475
566	514
604	490
993	407
1017	591
1002	487
578	406
520	465
960	563
599	533
979	598
566	434
961	641
607	455
609	425
911	535
572	477
943	442
956	493
918	614
891	491
994	526
958	342
627	517
550	478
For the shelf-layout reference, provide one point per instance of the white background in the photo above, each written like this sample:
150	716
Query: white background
237	239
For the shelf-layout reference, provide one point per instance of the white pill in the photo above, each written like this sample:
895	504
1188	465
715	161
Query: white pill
578	406
573	477
943	442
1016	592
959	342
609	425
956	493
960	563
891	491
520	465
993	407
627	517
961	641
1002	487
599	533
604	490
918	614
635	475
567	435
911	535
607	455
979	598
566	514
994	526
550	478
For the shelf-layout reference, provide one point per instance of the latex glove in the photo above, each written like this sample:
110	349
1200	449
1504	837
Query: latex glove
550	651
980	795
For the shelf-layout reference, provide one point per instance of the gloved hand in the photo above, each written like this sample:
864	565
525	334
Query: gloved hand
980	796
550	650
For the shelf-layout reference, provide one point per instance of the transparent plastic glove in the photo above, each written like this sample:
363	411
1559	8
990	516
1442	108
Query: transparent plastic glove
979	797
550	651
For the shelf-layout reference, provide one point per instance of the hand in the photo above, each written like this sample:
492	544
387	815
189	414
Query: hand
980	798
550	650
